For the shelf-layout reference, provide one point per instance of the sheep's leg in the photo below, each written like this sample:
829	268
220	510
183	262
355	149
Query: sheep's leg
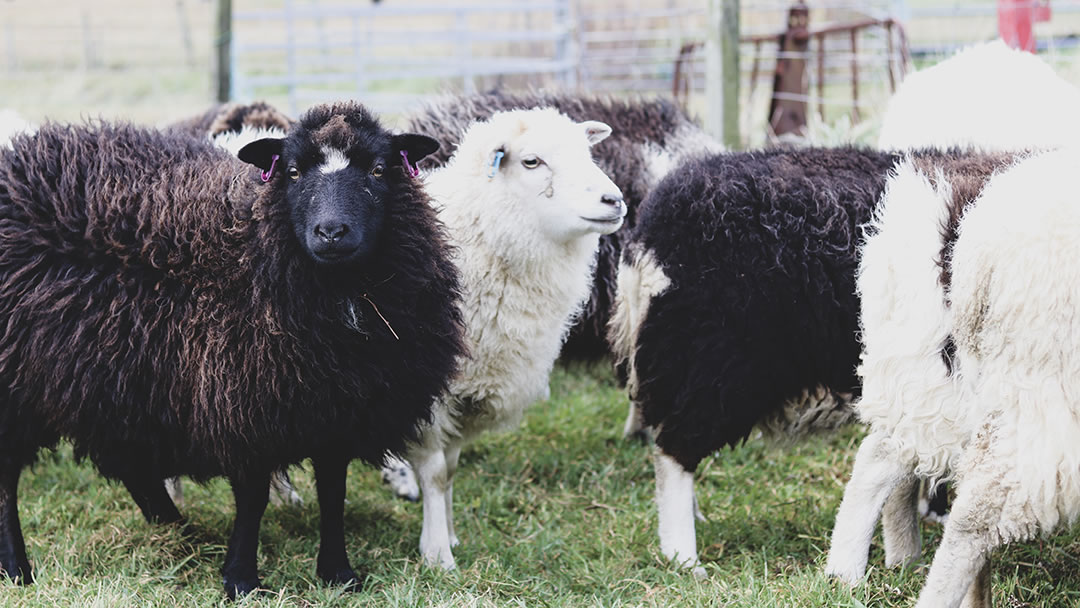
333	564
635	424
153	499
431	470
959	571
978	594
878	470
13	560
175	487
900	524
451	455
283	493
239	572
401	478
675	506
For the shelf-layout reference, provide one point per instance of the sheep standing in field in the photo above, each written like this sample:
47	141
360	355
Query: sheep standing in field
524	205
736	306
910	335
988	96
172	311
970	368
649	138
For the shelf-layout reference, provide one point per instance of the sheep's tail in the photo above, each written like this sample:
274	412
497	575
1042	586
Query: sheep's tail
640	278
908	388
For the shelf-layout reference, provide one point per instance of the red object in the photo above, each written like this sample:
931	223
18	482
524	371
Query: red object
1015	18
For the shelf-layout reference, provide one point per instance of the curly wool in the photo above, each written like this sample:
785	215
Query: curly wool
233	118
759	249
755	323
162	315
903	283
649	138
1003	420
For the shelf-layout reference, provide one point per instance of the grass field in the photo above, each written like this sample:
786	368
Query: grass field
559	513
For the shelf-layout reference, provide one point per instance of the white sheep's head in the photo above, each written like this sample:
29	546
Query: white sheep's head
545	166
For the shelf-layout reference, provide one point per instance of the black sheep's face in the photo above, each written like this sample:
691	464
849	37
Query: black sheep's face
336	201
337	194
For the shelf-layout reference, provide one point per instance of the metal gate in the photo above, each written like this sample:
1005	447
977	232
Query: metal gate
389	55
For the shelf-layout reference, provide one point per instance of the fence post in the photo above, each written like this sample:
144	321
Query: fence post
224	50
722	72
787	110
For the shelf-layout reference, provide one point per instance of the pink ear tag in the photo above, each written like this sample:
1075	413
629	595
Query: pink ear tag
266	175
411	170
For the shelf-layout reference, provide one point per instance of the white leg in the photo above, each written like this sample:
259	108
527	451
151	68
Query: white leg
959	574
978	595
283	491
430	466
675	505
633	421
877	472
451	455
900	524
401	478
175	487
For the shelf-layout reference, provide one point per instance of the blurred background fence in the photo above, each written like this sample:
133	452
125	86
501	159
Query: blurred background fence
154	60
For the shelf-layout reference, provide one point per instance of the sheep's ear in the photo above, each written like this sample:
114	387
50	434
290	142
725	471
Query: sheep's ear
261	152
596	131
418	146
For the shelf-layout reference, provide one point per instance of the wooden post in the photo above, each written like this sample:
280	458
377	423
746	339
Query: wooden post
787	111
224	50
722	72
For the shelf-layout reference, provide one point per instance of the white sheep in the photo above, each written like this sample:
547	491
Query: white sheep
989	96
525	206
1000	413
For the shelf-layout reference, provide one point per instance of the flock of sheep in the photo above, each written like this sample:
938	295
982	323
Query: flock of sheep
239	292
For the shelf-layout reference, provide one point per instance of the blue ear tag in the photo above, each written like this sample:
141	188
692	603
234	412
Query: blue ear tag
495	163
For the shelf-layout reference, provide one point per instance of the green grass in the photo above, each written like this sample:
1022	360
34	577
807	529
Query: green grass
558	513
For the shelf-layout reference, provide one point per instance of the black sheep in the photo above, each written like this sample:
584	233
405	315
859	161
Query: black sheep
648	138
171	314
736	304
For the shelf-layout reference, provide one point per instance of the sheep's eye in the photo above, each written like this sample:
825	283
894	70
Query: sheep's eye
377	171
294	173
530	163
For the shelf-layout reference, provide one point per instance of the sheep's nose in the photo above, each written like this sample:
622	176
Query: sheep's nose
614	200
331	233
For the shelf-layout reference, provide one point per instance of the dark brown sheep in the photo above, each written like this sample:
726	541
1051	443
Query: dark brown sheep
170	313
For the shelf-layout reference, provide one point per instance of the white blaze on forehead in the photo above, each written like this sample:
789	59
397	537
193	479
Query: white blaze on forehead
335	160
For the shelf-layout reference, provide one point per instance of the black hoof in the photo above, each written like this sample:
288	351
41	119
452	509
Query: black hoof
342	576
236	588
16	569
